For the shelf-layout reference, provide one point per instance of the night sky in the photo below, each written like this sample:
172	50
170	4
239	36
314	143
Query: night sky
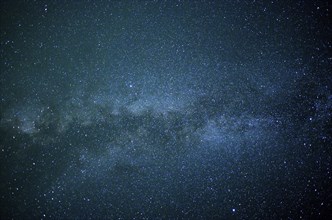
165	109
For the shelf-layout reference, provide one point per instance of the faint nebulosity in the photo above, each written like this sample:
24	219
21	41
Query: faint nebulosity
165	109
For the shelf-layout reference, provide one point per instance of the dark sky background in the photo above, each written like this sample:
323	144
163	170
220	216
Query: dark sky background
165	109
